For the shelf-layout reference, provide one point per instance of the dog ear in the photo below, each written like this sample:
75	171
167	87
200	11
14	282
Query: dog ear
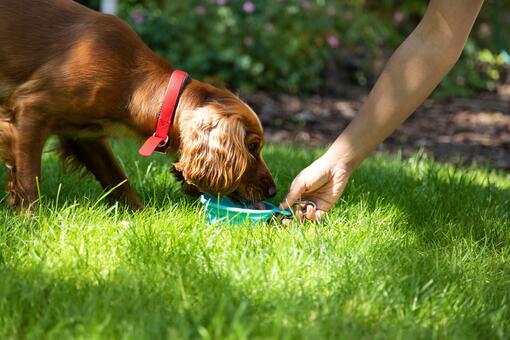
213	155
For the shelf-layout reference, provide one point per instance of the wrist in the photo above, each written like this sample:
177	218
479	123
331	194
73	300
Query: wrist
341	157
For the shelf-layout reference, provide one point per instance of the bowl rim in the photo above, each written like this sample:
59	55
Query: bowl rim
215	205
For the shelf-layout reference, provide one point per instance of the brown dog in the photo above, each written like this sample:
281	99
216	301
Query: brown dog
78	74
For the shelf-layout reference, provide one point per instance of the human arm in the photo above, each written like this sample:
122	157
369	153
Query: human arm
410	75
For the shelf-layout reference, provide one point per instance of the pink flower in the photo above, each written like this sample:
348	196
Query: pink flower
398	17
306	4
200	10
137	17
221	2
332	11
248	7
332	40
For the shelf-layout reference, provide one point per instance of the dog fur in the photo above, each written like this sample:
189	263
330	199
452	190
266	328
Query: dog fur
68	71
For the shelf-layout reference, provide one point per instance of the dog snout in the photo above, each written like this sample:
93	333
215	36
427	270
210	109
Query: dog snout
269	186
271	191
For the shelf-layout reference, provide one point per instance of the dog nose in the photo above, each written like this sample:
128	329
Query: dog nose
271	191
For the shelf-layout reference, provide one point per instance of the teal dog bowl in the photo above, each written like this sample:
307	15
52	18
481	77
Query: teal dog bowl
226	209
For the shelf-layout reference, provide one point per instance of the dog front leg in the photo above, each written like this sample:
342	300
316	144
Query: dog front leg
24	175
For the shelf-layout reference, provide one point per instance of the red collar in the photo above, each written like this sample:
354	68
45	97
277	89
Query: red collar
159	139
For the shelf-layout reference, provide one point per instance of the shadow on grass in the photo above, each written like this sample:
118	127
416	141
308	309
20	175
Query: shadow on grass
37	302
180	300
180	294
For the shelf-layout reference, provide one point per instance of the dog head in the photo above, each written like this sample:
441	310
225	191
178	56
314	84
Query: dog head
221	143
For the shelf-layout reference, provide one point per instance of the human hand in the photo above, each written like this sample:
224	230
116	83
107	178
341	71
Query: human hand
322	183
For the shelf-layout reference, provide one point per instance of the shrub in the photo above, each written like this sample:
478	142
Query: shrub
294	45
275	45
477	70
483	64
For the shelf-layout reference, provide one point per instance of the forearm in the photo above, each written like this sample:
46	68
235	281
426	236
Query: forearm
409	77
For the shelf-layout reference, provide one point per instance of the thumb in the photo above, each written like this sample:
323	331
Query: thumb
296	190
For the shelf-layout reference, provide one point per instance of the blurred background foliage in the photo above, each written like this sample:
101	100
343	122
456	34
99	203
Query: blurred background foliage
308	46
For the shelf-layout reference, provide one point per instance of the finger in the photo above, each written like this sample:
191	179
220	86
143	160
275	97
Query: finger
320	203
310	212
323	206
290	200
294	194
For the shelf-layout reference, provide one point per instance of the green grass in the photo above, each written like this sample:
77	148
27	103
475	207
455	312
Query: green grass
415	249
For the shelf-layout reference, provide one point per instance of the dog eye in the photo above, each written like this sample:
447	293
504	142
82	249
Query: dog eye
253	147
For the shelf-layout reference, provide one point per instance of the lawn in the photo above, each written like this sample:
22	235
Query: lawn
415	249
